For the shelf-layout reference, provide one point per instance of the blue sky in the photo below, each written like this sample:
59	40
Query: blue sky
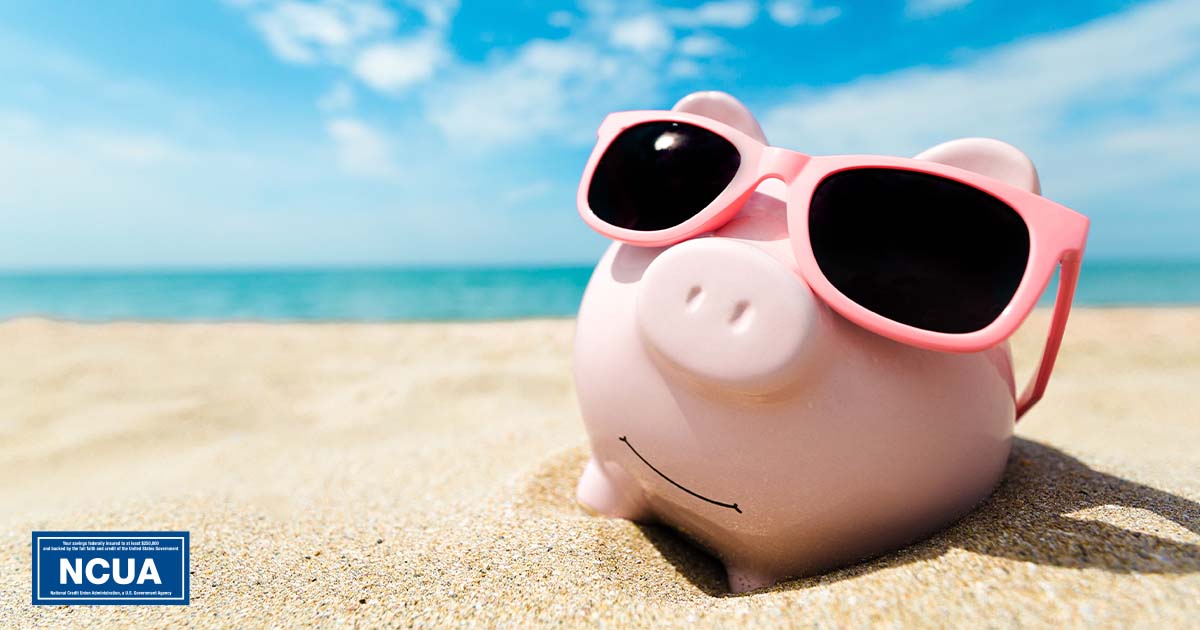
261	132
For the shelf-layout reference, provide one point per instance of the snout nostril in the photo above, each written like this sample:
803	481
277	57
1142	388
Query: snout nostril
694	297
740	317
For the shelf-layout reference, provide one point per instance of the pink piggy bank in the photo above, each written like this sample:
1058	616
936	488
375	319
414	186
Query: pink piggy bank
724	399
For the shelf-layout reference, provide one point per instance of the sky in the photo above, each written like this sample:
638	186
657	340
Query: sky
360	132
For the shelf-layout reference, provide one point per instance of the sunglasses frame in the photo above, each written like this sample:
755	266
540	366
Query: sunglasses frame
1057	234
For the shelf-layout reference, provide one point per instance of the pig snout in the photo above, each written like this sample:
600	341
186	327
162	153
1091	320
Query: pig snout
727	313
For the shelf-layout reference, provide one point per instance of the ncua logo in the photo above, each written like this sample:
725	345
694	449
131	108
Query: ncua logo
91	568
97	571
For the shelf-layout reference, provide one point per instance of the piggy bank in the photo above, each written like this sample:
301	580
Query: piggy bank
722	398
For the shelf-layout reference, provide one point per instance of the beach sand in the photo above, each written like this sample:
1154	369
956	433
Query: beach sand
423	475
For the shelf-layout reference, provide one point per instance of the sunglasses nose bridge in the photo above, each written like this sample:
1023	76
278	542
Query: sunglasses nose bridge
782	163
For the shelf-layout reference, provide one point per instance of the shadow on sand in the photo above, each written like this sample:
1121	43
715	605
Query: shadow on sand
1025	519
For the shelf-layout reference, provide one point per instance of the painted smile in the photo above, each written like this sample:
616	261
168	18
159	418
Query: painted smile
732	506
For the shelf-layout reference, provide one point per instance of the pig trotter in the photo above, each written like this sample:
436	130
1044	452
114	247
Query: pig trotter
743	579
611	493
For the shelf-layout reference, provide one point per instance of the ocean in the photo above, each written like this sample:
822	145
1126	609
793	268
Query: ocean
418	294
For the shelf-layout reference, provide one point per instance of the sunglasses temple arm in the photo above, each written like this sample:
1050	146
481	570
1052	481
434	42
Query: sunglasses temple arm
1068	277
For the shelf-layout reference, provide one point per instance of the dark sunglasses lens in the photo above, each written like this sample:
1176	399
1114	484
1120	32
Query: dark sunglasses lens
657	175
918	249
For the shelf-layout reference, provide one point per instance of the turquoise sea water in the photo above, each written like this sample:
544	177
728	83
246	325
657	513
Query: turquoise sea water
426	294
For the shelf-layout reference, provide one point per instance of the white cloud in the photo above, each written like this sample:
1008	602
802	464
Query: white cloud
131	148
396	65
930	8
526	193
116	170
339	98
560	19
644	34
701	45
307	33
14	124
1093	106
361	150
437	13
100	145
685	69
796	12
561	88
723	13
359	35
616	57
515	100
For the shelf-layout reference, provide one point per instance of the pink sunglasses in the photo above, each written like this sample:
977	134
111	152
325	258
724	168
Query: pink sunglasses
923	253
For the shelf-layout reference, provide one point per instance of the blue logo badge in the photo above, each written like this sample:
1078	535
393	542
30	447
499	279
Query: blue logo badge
111	568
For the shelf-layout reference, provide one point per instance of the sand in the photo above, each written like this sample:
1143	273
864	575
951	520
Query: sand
422	475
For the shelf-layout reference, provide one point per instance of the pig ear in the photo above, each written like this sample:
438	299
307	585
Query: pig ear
996	159
722	107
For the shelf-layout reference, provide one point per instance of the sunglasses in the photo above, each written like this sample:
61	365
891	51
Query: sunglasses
923	253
